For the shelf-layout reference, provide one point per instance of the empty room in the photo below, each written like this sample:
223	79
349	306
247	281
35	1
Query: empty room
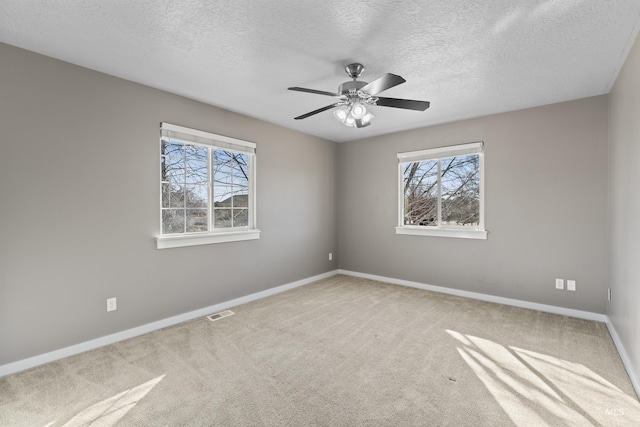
296	213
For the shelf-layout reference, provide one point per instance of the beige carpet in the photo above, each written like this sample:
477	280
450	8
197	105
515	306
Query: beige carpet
340	352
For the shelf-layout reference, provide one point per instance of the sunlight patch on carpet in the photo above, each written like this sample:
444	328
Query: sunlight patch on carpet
534	388
109	411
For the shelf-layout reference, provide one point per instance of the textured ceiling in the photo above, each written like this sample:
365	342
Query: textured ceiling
469	58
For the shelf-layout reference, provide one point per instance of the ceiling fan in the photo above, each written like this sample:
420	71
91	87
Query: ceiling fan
354	95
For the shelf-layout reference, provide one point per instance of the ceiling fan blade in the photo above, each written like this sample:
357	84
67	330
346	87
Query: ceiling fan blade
319	110
408	104
318	92
383	83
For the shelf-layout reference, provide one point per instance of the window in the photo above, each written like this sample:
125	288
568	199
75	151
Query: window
207	188
441	192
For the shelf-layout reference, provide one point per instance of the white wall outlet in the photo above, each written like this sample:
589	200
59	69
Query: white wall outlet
571	285
111	304
330	256
609	294
559	283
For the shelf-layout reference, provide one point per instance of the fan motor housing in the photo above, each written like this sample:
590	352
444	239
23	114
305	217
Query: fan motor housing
354	85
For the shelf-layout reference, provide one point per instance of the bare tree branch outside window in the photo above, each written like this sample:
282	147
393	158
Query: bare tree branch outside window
186	188
230	189
450	184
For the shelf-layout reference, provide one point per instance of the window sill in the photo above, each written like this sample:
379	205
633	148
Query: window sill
443	232
178	241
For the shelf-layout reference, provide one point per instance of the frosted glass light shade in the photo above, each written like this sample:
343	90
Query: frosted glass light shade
358	111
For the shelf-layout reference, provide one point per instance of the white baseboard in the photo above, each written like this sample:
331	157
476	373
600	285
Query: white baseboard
633	376
41	359
31	362
484	297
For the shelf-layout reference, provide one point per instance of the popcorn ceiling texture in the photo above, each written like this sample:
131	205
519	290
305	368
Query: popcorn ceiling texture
468	58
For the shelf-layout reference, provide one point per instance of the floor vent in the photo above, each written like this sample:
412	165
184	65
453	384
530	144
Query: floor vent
214	317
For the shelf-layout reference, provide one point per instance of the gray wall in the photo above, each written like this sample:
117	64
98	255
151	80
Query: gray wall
624	205
79	169
546	207
79	207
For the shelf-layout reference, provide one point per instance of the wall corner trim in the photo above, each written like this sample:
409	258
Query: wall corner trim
31	362
626	361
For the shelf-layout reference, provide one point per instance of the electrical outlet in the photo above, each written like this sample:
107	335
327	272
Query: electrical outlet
330	256
559	283
571	285
609	294
111	304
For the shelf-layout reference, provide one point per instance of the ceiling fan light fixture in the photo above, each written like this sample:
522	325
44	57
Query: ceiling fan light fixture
350	121
341	114
358	111
365	121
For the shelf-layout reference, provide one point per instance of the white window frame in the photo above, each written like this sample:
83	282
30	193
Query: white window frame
220	142
464	232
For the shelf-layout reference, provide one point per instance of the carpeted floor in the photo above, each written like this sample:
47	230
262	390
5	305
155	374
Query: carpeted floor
340	352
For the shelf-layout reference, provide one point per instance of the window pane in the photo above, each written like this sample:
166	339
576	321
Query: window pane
222	156
240	180
176	196
222	168
163	169
421	193
196	196
166	195
173	149
172	221
240	169
461	190
222	196
231	168
195	152
196	172
240	217
173	170
222	218
222	174
240	197
196	220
